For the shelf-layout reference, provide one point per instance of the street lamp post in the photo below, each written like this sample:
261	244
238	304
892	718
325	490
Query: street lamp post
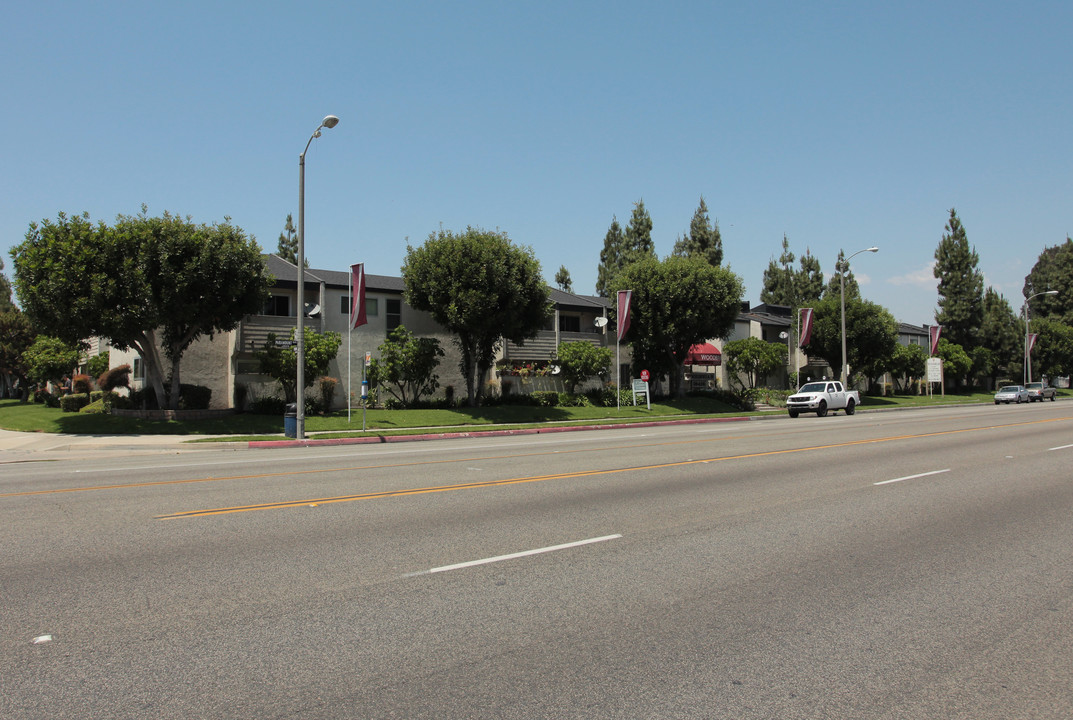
1027	372
299	335
842	287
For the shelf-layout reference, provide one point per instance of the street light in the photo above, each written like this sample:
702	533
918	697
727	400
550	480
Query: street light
1027	371
842	285
299	335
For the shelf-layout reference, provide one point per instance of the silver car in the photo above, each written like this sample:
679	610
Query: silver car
1011	393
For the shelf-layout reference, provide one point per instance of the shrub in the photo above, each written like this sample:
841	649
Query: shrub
194	397
546	398
269	406
82	384
74	402
326	386
116	377
449	395
46	398
97	407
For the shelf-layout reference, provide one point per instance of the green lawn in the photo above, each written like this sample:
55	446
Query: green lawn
38	418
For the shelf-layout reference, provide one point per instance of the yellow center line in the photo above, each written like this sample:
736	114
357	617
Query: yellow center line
562	476
383	466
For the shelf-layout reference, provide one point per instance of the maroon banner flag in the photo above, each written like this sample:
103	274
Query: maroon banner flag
806	327
624	297
1032	337
933	335
357	295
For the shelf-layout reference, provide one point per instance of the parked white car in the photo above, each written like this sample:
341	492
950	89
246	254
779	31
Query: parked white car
821	397
1012	393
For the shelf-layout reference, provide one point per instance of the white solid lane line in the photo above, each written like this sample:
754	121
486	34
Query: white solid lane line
912	477
525	553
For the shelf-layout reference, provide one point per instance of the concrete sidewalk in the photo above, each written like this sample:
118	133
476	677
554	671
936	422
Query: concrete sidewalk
26	446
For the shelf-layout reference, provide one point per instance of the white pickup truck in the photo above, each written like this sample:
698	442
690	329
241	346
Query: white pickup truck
821	397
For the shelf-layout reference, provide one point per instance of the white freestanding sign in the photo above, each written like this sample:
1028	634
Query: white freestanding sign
935	373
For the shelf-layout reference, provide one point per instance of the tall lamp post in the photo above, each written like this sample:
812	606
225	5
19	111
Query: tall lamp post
1028	353
842	287
299	335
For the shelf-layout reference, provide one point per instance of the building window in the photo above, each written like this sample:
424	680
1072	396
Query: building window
138	373
372	306
393	312
278	305
569	323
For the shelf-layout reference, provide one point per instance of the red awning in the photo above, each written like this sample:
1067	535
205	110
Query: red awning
704	354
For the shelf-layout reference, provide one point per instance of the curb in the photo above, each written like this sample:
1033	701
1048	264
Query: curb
381	439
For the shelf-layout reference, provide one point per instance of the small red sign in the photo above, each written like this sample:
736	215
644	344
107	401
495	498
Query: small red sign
645	375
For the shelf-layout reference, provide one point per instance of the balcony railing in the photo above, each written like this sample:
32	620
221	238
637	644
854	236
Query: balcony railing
253	331
543	346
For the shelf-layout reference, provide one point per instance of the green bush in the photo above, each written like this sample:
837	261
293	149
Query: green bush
546	398
268	406
194	397
74	402
97	407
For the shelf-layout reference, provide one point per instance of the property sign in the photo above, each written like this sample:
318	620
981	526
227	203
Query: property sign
645	376
935	370
640	387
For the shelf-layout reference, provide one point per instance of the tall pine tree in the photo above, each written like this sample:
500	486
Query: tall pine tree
961	286
622	249
288	243
703	239
780	280
611	258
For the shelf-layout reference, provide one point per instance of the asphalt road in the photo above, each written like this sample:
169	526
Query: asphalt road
914	564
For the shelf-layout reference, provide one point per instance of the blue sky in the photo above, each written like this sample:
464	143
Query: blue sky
840	125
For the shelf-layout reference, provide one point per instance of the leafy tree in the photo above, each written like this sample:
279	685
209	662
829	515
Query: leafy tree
407	365
562	279
146	283
961	286
677	303
98	364
16	336
703	239
480	287
754	357
871	334
281	363
1052	355
1002	335
288	243
6	305
907	362
956	362
581	360
1052	271
48	359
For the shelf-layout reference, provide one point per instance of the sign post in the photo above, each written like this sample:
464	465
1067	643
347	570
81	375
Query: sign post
935	374
640	387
